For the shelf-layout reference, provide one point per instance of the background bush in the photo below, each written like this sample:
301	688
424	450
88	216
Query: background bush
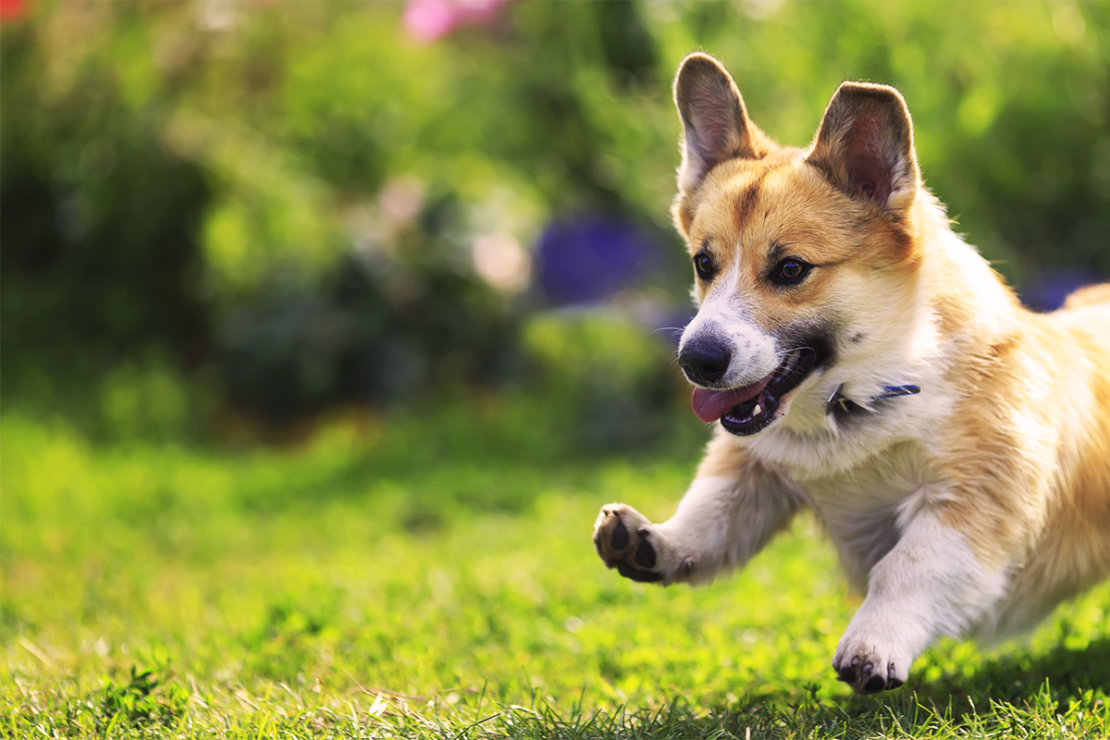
267	210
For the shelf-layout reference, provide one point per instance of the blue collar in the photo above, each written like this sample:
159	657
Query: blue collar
838	402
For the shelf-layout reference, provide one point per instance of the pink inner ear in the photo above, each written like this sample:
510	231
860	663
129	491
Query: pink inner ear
867	173
868	176
715	122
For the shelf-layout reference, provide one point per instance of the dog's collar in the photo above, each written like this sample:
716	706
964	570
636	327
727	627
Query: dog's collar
838	402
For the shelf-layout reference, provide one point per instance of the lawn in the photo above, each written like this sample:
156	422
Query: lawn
383	580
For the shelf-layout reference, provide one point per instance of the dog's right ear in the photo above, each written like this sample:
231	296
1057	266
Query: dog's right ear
715	125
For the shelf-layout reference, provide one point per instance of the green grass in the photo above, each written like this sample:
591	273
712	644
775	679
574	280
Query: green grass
381	582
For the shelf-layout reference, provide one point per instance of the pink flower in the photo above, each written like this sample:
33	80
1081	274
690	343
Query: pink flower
431	20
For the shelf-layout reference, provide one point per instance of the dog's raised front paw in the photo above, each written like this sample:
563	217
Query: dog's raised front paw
627	541
869	666
623	540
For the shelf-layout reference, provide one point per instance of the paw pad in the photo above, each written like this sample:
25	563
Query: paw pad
628	550
865	679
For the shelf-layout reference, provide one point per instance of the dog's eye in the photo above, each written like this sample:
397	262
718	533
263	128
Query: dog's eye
703	265
790	271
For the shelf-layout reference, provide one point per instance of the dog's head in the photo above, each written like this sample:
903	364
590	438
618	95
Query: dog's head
804	260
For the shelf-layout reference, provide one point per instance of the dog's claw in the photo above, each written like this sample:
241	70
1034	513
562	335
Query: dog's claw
892	681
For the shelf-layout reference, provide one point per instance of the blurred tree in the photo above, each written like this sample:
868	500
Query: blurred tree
100	224
318	203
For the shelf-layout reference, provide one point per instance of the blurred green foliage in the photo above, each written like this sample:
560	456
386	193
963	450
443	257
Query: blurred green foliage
277	207
613	371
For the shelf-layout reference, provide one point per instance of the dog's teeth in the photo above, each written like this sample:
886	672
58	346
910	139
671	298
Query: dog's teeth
757	410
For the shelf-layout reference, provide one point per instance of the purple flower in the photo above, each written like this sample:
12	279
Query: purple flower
589	258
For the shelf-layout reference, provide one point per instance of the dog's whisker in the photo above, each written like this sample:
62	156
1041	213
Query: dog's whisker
674	330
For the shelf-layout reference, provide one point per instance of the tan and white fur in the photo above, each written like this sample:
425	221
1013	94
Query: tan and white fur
970	509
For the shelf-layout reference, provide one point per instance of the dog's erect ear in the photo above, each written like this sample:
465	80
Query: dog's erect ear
865	145
715	126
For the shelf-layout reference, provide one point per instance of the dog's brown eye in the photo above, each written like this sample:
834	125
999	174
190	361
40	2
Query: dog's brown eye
703	265
790	271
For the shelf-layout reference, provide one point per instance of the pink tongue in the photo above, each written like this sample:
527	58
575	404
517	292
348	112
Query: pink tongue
712	405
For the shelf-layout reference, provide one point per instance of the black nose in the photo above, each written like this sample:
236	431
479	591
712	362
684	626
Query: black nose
704	363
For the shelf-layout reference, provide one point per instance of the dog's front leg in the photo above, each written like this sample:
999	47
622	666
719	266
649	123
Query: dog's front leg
731	510
930	584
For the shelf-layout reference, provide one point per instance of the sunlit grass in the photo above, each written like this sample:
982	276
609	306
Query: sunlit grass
325	592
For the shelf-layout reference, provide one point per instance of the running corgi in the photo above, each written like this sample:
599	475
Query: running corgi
859	359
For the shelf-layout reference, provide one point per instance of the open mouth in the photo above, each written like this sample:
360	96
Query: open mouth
747	410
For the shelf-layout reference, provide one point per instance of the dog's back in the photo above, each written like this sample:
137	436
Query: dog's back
1073	553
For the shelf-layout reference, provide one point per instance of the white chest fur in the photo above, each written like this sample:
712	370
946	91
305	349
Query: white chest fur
865	508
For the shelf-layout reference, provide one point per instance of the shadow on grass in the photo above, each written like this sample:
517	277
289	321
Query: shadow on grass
1065	689
1019	677
1062	693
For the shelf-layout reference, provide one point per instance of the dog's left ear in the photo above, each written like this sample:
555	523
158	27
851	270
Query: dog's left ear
865	146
